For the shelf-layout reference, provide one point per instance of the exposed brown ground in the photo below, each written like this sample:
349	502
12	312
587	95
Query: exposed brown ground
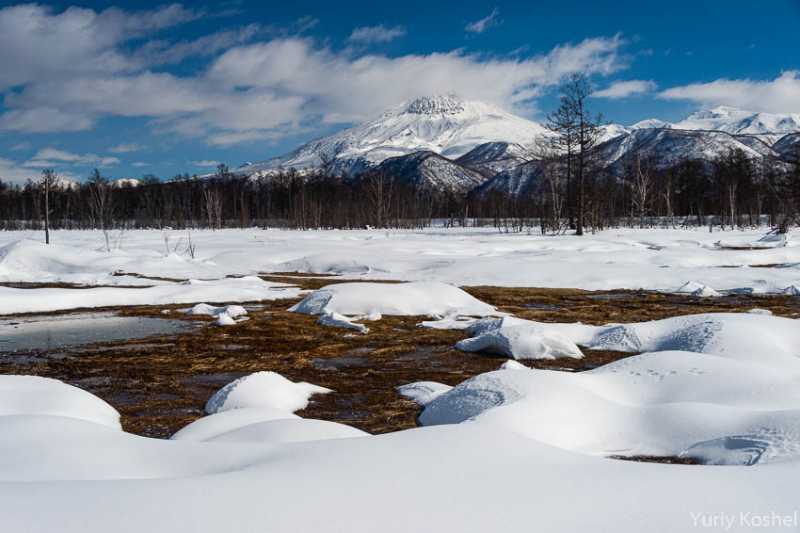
161	384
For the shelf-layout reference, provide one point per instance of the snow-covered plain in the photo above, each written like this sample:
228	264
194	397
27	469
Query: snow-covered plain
511	450
663	260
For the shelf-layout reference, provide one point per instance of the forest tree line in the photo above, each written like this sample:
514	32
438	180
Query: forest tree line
731	191
570	190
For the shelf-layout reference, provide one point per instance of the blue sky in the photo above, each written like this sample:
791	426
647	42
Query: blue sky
146	87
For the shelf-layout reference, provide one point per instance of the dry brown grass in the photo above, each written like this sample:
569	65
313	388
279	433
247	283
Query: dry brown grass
161	384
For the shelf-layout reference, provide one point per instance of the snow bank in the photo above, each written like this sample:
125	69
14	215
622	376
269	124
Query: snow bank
263	389
31	395
663	403
654	259
518	341
759	338
392	299
13	300
84	471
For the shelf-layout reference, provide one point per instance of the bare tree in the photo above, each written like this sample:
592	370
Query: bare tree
553	179
48	180
563	123
99	198
642	184
574	93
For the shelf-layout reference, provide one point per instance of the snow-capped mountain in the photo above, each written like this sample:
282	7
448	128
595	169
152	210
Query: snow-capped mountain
447	143
731	120
668	146
446	125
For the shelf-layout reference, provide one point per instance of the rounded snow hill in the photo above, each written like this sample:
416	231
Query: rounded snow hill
33	395
289	430
393	299
226	421
263	389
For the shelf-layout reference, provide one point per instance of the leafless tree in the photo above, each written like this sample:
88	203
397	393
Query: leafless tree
48	180
575	93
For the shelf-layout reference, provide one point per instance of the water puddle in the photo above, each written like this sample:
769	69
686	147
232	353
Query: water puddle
56	332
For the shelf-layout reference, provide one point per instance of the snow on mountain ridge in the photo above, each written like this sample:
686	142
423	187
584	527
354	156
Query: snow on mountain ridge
731	120
446	125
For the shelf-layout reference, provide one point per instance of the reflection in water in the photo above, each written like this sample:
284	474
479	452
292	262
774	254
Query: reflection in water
52	332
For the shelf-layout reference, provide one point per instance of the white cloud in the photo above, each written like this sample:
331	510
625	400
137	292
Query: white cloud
486	23
163	52
21	146
140	164
86	67
126	148
36	119
625	89
205	163
288	81
780	95
53	157
36	43
376	34
11	171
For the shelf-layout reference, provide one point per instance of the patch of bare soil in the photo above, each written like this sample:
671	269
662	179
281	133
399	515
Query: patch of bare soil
161	384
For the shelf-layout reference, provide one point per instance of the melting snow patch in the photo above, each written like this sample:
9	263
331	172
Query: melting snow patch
792	290
263	389
513	365
224	319
423	392
333	318
698	290
232	311
519	341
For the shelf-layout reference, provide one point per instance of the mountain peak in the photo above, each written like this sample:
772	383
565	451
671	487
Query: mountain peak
436	104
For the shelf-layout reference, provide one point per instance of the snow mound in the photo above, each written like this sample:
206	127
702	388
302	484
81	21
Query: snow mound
663	403
513	365
392	299
323	264
792	290
698	290
224	319
289	430
232	311
758	337
519	341
32	395
423	392
333	318
263	390
223	422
